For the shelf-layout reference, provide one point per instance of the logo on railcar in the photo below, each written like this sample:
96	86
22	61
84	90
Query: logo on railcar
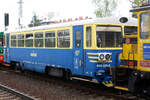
146	51
33	54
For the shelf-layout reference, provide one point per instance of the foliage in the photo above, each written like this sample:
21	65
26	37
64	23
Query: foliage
35	21
104	7
137	3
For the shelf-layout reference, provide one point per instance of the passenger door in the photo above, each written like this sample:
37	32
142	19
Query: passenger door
78	65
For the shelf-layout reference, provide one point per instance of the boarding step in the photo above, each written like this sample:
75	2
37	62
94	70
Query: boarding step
121	77
121	88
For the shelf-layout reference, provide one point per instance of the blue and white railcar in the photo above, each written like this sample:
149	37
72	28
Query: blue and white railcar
86	49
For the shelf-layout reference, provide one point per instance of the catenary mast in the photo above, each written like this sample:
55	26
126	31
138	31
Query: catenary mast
20	13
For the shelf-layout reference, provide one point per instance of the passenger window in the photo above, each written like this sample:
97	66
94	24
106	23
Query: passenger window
78	39
21	40
29	40
13	41
50	39
38	39
63	39
88	36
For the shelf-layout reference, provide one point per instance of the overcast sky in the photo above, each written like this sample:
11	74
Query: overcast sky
61	8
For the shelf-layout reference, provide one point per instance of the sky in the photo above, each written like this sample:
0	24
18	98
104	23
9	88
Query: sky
63	9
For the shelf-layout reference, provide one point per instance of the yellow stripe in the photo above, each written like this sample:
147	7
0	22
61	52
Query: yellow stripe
93	57
131	67
108	48
77	78
121	88
108	84
94	61
93	53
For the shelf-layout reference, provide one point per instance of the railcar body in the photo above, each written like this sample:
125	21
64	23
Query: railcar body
86	49
134	71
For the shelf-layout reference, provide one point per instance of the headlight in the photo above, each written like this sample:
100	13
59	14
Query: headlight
107	56
101	56
104	56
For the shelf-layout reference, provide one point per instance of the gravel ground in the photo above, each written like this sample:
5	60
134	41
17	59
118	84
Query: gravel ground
44	90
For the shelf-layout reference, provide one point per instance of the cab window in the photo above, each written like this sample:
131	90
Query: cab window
108	36
130	30
88	36
144	25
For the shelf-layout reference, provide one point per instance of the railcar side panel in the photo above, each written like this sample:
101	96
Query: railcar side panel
38	59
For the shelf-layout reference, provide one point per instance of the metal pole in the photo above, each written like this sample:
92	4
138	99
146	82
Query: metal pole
20	13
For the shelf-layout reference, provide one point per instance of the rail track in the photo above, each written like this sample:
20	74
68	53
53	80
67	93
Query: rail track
7	93
85	88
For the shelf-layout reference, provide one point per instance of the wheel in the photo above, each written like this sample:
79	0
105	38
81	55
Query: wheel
68	75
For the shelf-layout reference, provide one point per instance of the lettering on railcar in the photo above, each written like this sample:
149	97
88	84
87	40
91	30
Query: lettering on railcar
33	54
103	65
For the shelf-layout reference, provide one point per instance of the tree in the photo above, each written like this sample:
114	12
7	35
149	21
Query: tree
35	21
41	20
137	3
104	7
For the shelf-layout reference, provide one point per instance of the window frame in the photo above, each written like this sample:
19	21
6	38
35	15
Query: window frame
13	40
116	32
21	40
78	39
29	39
141	35
90	36
41	45
46	38
64	38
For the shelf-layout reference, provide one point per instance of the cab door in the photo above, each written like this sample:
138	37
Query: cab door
78	62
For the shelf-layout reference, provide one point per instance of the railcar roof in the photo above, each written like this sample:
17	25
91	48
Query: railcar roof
103	21
147	7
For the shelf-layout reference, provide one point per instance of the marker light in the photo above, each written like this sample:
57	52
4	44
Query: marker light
104	56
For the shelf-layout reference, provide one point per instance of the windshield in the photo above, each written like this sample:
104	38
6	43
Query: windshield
108	36
144	25
130	30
